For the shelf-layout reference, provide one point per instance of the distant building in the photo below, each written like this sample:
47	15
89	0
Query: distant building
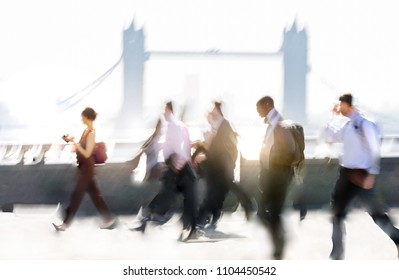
134	57
295	56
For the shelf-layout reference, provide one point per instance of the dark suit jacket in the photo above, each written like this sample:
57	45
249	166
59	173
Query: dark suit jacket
222	153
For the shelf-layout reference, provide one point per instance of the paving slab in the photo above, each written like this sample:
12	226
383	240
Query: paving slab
27	234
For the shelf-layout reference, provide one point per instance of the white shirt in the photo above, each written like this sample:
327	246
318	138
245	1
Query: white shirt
361	143
177	141
273	117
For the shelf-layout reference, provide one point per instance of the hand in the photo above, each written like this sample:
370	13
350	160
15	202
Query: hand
68	138
200	158
369	181
195	144
336	109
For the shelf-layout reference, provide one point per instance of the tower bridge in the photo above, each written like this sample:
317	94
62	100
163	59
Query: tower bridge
42	172
293	53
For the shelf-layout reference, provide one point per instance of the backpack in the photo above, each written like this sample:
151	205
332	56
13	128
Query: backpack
289	144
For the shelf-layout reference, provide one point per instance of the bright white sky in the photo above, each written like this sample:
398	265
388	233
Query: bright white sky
51	49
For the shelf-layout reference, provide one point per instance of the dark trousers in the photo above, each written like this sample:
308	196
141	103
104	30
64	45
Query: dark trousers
184	181
274	183
218	184
345	191
86	183
217	187
152	187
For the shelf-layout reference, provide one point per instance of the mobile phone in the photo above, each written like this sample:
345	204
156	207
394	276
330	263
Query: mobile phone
65	137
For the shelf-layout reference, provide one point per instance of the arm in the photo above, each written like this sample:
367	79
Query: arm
372	139
332	133
369	181
90	143
373	142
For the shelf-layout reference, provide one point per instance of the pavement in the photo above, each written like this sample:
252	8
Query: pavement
28	234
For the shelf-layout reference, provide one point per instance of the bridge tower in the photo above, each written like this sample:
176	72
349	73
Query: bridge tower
134	58
295	57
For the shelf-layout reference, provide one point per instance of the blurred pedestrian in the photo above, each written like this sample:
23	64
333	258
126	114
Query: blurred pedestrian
180	174
85	181
219	164
276	174
359	167
152	179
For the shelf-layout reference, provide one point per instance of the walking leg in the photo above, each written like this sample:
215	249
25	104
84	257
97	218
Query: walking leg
337	252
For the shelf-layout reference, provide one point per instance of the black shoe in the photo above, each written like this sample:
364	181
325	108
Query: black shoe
197	233
61	227
337	254
277	256
193	234
111	224
302	214
183	236
140	228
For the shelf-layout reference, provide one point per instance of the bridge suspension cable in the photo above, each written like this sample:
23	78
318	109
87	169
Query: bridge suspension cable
77	97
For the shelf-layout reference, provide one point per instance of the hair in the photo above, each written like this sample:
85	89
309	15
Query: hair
218	106
89	113
169	105
347	98
264	100
158	124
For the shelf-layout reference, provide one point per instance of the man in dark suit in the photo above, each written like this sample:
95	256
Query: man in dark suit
275	174
221	156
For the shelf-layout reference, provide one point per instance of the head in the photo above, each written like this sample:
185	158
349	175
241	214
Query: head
158	126
345	104
216	112
88	115
264	106
168	113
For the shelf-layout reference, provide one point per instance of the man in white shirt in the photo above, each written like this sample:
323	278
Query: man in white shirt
177	146
180	175
360	164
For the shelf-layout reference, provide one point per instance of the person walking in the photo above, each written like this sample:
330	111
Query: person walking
359	167
152	179
275	174
177	155
219	164
179	176
85	176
